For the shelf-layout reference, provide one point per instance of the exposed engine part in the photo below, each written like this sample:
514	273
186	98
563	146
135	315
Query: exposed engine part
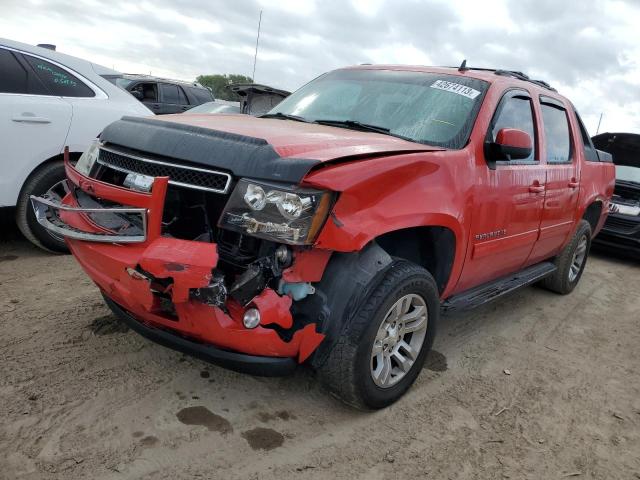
258	275
296	291
215	294
248	284
283	255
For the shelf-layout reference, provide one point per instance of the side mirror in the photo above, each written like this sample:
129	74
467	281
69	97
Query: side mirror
511	144
137	94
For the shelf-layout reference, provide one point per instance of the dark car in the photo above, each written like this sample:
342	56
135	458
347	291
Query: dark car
621	231
163	96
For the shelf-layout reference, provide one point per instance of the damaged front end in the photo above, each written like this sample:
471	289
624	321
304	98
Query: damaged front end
195	259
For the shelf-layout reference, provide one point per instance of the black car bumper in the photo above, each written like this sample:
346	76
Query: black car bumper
251	364
619	243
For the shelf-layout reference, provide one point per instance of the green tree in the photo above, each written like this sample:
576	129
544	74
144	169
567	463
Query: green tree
218	83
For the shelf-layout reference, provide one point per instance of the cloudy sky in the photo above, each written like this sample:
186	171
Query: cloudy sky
588	49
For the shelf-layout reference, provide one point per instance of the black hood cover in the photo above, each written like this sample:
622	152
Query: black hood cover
241	155
623	147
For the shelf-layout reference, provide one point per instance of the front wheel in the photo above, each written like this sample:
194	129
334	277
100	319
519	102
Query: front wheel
382	349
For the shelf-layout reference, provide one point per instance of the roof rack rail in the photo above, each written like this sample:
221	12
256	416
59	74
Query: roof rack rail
508	73
526	78
544	84
193	83
513	73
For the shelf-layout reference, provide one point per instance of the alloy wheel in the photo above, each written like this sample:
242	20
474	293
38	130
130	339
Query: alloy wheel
399	340
579	256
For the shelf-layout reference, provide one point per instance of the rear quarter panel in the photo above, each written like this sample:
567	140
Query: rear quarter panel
597	182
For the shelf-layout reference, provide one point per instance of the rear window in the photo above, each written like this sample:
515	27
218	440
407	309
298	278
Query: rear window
556	132
14	75
57	80
173	94
202	95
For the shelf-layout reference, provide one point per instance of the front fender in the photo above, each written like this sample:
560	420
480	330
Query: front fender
386	194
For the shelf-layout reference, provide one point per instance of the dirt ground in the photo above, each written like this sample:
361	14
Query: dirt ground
535	386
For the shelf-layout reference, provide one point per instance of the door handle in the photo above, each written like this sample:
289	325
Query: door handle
536	187
25	119
574	183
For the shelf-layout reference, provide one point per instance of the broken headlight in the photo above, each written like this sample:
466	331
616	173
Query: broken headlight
88	158
276	212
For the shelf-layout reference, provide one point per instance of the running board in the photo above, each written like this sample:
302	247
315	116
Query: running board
490	291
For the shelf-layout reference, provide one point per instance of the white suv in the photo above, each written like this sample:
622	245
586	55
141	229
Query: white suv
48	101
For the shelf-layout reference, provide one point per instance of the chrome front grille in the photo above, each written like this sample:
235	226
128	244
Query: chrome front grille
179	175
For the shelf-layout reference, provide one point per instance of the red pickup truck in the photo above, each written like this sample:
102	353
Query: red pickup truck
334	230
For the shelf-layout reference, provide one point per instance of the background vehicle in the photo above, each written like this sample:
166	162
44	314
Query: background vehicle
49	100
333	229
621	231
162	95
217	106
255	100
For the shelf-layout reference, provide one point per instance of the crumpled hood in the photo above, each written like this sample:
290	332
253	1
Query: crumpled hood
623	147
255	147
299	139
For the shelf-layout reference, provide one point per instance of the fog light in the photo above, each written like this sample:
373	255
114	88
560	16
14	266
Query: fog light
251	318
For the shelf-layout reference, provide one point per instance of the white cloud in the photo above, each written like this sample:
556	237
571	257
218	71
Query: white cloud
589	50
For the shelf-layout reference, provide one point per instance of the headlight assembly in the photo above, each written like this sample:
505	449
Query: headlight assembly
276	212
88	158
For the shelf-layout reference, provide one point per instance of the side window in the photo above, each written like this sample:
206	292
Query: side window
14	75
556	133
58	81
183	97
171	94
590	153
201	95
149	91
515	112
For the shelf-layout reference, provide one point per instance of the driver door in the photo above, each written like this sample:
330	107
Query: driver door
508	200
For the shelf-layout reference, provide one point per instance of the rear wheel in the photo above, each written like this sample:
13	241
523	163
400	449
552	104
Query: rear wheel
382	349
48	179
571	262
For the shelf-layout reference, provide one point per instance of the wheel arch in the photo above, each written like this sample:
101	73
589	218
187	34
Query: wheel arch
432	247
593	214
73	156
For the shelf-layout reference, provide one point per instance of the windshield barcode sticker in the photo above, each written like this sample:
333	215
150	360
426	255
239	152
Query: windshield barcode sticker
455	88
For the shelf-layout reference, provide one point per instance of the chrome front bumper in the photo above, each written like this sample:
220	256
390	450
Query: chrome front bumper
47	215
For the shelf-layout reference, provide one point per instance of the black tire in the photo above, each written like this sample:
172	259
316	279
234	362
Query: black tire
347	371
39	183
562	281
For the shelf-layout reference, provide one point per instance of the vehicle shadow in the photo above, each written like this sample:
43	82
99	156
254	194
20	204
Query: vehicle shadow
12	242
619	257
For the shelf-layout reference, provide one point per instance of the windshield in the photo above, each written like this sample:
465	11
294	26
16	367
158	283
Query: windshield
628	174
428	108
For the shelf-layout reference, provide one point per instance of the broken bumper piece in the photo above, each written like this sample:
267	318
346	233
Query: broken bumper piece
168	289
48	212
252	364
